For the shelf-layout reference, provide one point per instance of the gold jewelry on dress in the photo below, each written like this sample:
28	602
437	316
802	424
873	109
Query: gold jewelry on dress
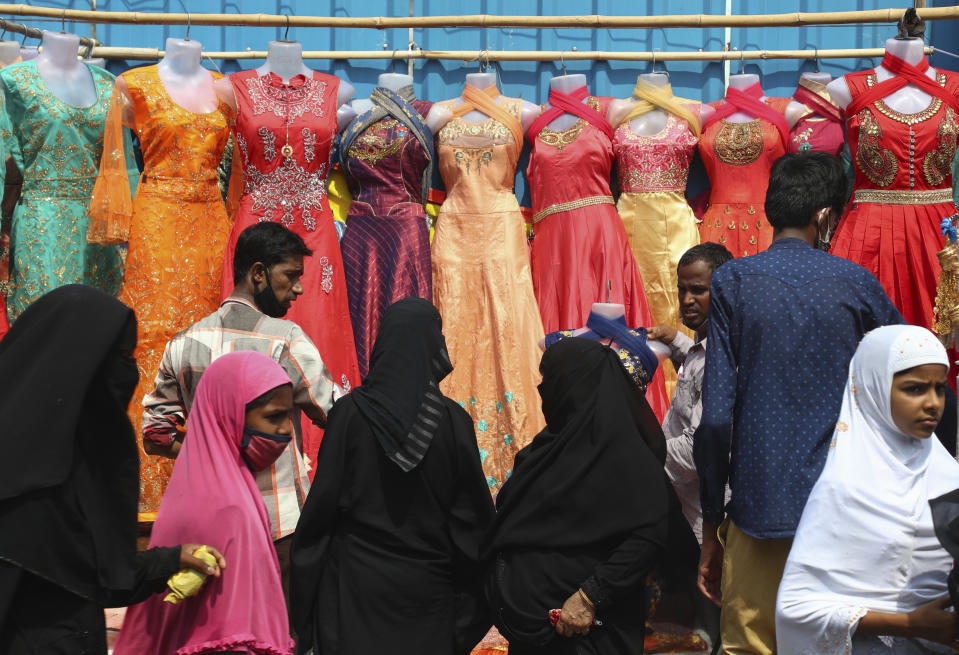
947	293
569	206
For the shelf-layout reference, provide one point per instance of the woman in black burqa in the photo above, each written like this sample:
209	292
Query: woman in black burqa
583	519
69	477
386	552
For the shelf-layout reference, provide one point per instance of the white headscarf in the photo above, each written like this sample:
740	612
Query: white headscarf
865	540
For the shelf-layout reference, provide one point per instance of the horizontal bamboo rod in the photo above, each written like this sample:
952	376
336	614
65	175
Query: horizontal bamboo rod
153	54
792	19
34	33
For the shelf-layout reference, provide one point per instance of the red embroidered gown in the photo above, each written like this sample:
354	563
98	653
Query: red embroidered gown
292	191
902	191
738	158
580	243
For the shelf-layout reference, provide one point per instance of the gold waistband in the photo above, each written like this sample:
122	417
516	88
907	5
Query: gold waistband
571	205
895	197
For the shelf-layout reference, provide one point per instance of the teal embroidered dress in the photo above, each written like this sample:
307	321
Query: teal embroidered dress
57	148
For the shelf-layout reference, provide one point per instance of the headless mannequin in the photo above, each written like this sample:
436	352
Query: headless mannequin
795	109
285	58
394	82
740	83
440	116
189	85
908	100
566	84
9	52
650	123
613	311
64	75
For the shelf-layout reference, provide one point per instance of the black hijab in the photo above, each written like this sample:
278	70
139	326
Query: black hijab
594	473
69	471
400	398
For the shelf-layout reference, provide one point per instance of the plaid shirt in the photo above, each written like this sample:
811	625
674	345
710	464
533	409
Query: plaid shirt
238	325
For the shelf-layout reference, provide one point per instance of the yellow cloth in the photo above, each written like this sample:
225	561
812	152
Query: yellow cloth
338	193
176	227
649	97
188	582
660	227
752	569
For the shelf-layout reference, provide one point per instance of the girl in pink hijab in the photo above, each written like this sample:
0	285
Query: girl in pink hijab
240	423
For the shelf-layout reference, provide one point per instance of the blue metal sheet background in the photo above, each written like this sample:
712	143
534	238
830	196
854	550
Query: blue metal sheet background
439	80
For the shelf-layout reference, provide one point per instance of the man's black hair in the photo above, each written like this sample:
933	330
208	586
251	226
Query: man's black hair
268	243
800	184
713	254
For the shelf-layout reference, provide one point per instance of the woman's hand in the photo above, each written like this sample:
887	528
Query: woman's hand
576	617
188	561
933	622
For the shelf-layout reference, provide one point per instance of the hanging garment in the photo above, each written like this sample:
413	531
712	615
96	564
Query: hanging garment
820	126
481	280
580	254
388	156
57	148
299	118
176	228
738	158
652	171
903	186
11	193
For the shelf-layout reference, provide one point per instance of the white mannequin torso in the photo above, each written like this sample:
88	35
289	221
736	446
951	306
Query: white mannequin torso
565	84
908	100
394	82
650	123
9	52
795	109
65	76
741	82
285	58
440	116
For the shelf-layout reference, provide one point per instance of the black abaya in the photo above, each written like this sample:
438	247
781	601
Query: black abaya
386	551
69	475
586	507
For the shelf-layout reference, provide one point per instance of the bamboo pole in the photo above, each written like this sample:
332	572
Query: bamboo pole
792	19
153	54
34	33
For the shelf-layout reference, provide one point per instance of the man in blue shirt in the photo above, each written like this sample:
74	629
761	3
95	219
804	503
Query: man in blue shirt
783	325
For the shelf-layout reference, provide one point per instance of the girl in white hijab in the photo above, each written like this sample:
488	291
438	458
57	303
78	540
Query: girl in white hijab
866	573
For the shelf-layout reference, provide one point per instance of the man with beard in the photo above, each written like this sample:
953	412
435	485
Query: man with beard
267	266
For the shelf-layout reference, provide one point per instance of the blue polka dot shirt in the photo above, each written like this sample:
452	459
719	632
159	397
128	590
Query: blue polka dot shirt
783	325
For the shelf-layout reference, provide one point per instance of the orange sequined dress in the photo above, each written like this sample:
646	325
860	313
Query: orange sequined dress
483	288
176	228
738	158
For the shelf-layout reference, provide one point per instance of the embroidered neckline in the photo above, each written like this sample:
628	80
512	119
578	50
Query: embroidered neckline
909	119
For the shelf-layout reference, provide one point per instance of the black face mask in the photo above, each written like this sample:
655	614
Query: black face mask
119	371
266	300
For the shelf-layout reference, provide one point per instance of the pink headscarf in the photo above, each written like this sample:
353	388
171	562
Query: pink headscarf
213	499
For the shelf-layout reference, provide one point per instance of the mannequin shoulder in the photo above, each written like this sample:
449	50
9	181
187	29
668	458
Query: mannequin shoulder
794	111
839	91
439	115
528	113
223	88
344	93
618	110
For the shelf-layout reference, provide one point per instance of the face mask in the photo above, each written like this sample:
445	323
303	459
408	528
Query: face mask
267	301
824	243
260	449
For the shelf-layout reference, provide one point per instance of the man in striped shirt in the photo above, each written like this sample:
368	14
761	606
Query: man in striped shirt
267	266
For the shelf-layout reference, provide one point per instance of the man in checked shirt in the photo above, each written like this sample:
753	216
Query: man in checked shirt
267	266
